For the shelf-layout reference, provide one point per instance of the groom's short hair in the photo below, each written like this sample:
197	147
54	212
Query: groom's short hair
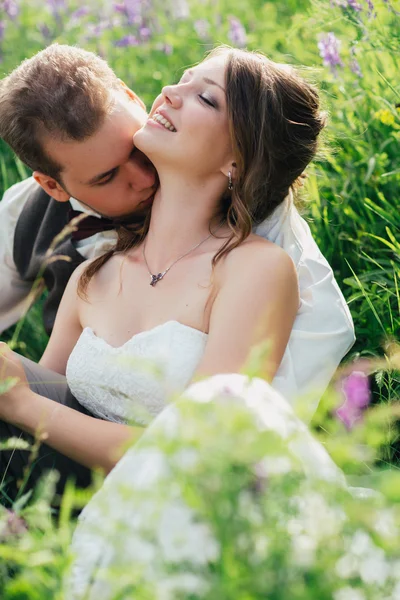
62	92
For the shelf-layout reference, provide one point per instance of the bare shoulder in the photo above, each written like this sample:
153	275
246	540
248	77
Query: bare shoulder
259	257
84	273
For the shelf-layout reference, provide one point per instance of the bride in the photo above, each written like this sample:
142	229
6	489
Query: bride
196	290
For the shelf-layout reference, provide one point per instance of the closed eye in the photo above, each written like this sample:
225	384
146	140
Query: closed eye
109	178
207	101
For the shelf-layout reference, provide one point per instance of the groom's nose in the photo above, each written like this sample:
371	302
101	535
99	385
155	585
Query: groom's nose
140	175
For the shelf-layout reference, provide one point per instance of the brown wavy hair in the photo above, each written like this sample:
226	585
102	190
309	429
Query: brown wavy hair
274	122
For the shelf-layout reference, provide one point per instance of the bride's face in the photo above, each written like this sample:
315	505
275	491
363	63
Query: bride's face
188	123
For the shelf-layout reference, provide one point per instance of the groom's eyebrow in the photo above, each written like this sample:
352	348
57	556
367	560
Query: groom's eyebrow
101	176
98	178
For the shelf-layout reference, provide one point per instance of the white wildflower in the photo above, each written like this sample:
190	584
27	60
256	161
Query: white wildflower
374	568
347	566
181	538
361	543
186	458
303	550
175	585
276	465
396	592
349	593
385	524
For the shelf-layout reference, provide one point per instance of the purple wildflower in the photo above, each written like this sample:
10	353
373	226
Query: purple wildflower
329	51
127	40
237	32
132	9
56	5
201	27
355	67
13	525
357	395
354	5
168	49
79	13
371	9
45	31
11	8
144	33
2	29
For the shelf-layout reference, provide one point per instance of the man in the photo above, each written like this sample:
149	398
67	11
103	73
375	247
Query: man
71	120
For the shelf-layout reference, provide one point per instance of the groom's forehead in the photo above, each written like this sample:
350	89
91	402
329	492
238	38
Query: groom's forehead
108	147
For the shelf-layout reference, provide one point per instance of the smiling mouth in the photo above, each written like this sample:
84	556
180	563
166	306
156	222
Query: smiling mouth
158	118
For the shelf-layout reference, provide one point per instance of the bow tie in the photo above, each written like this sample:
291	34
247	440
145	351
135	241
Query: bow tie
90	225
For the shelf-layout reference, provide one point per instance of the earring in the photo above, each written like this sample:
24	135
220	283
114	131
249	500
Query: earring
230	182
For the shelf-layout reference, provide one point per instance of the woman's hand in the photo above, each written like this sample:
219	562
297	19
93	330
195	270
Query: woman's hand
14	386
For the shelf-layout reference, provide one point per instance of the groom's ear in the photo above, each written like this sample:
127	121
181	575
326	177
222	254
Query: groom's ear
51	186
131	94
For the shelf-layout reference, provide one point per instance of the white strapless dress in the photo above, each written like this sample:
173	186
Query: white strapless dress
133	382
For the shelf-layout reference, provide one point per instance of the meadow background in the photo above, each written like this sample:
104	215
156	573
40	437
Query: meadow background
351	196
350	49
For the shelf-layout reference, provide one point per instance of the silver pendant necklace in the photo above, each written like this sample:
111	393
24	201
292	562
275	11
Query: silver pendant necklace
156	278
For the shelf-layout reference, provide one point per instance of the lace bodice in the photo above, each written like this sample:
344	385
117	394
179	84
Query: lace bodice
132	382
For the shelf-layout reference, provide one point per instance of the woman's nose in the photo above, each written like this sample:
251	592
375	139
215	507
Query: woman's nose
172	96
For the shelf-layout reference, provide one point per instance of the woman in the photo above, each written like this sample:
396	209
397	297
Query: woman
229	141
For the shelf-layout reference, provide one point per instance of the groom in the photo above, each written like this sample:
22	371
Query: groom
71	120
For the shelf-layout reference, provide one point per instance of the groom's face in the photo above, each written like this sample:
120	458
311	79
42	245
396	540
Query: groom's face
105	172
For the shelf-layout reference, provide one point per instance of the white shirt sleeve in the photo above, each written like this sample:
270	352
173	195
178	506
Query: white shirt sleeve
14	291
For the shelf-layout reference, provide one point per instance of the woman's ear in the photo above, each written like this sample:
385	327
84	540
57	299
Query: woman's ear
51	186
131	94
229	168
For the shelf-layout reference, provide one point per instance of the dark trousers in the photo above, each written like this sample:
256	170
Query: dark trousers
20	470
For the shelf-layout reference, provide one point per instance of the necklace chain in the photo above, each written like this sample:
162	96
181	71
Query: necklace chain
156	278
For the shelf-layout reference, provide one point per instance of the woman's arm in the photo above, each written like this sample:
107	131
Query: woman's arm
67	327
89	441
257	300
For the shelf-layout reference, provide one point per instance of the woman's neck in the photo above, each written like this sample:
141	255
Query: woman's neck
182	215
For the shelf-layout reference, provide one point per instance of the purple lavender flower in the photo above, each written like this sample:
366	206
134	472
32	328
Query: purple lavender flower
11	8
79	13
127	40
329	47
202	27
45	31
357	396
237	32
168	49
132	9
145	34
355	67
56	5
371	9
354	5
